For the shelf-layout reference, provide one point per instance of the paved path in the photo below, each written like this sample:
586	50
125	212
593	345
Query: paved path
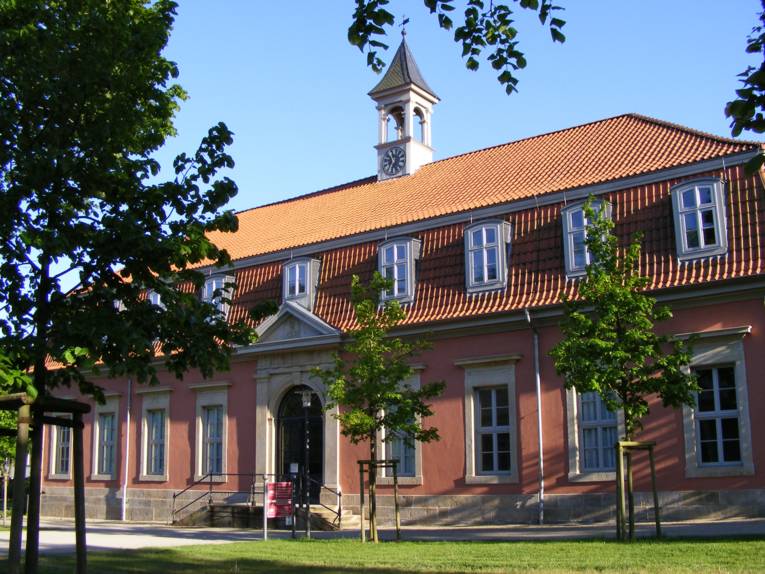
57	536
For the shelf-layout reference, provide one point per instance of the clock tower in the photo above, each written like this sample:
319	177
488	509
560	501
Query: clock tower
404	105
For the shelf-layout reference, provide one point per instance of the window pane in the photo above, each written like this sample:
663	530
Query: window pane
731	451
503	416
730	428
477	236
727	399
705	195
478	267
487	462
588	407
486	417
708	218
401	279
491	235
501	396
709	451
580	249
503	442
706	401
692	239
725	378
689	198
710	237
708	430
301	278
491	264
503	461
389	254
609	441
400	252
487	443
577	219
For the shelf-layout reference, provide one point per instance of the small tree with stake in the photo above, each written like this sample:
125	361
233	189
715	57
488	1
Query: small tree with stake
369	386
609	344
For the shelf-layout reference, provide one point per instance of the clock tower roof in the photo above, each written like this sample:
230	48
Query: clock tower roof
402	72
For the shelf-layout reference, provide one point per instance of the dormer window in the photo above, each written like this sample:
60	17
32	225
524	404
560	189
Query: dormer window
575	252
300	278
396	261
154	298
700	226
296	279
486	255
217	291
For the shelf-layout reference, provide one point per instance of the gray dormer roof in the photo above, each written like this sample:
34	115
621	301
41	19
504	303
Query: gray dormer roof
402	72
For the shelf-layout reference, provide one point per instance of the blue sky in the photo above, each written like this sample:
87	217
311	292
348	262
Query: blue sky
284	78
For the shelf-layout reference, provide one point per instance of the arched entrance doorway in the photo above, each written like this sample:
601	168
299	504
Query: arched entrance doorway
290	437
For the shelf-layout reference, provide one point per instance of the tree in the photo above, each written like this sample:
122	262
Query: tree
367	380
481	27
609	345
746	111
86	98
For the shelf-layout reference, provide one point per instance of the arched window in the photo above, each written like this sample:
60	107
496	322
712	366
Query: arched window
394	124
420	131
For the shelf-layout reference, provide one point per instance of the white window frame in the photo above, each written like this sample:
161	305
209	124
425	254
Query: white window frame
210	395
154	298
684	252
223	284
502	232
307	297
53	460
411	250
154	400
576	470
111	406
569	231
714	349
385	476
481	373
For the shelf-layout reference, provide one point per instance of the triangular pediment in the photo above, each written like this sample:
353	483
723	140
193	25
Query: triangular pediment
293	324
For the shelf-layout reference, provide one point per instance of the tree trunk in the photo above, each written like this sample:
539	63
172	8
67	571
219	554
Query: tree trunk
373	487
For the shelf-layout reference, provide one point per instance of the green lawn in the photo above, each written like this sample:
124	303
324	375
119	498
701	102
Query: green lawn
351	557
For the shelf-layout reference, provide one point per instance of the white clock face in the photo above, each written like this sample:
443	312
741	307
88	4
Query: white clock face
394	160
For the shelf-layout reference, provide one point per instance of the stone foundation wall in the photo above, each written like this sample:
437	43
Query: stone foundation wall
155	505
476	510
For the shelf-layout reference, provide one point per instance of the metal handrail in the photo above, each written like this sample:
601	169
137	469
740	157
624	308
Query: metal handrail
338	494
209	480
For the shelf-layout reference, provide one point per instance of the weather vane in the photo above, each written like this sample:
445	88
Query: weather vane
404	22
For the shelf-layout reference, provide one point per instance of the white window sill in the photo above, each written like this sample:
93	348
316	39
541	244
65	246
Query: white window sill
216	479
59	477
689	256
592	476
402	480
491	479
102	477
153	478
719	471
484	287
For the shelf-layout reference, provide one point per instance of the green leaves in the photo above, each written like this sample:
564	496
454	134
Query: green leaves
86	98
484	25
609	343
368	380
746	111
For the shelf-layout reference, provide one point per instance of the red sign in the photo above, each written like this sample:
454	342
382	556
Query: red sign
279	499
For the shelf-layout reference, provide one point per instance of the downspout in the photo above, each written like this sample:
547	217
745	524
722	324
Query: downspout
538	382
123	508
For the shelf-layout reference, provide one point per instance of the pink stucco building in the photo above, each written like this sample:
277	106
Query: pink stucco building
480	247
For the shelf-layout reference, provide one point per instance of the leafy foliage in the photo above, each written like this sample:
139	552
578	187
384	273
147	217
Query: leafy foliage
370	386
484	25
85	99
746	111
609	343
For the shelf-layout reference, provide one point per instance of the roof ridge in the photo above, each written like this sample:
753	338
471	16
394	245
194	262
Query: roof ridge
681	127
634	115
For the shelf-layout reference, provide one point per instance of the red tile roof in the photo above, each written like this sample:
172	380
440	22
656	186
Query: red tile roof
594	153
